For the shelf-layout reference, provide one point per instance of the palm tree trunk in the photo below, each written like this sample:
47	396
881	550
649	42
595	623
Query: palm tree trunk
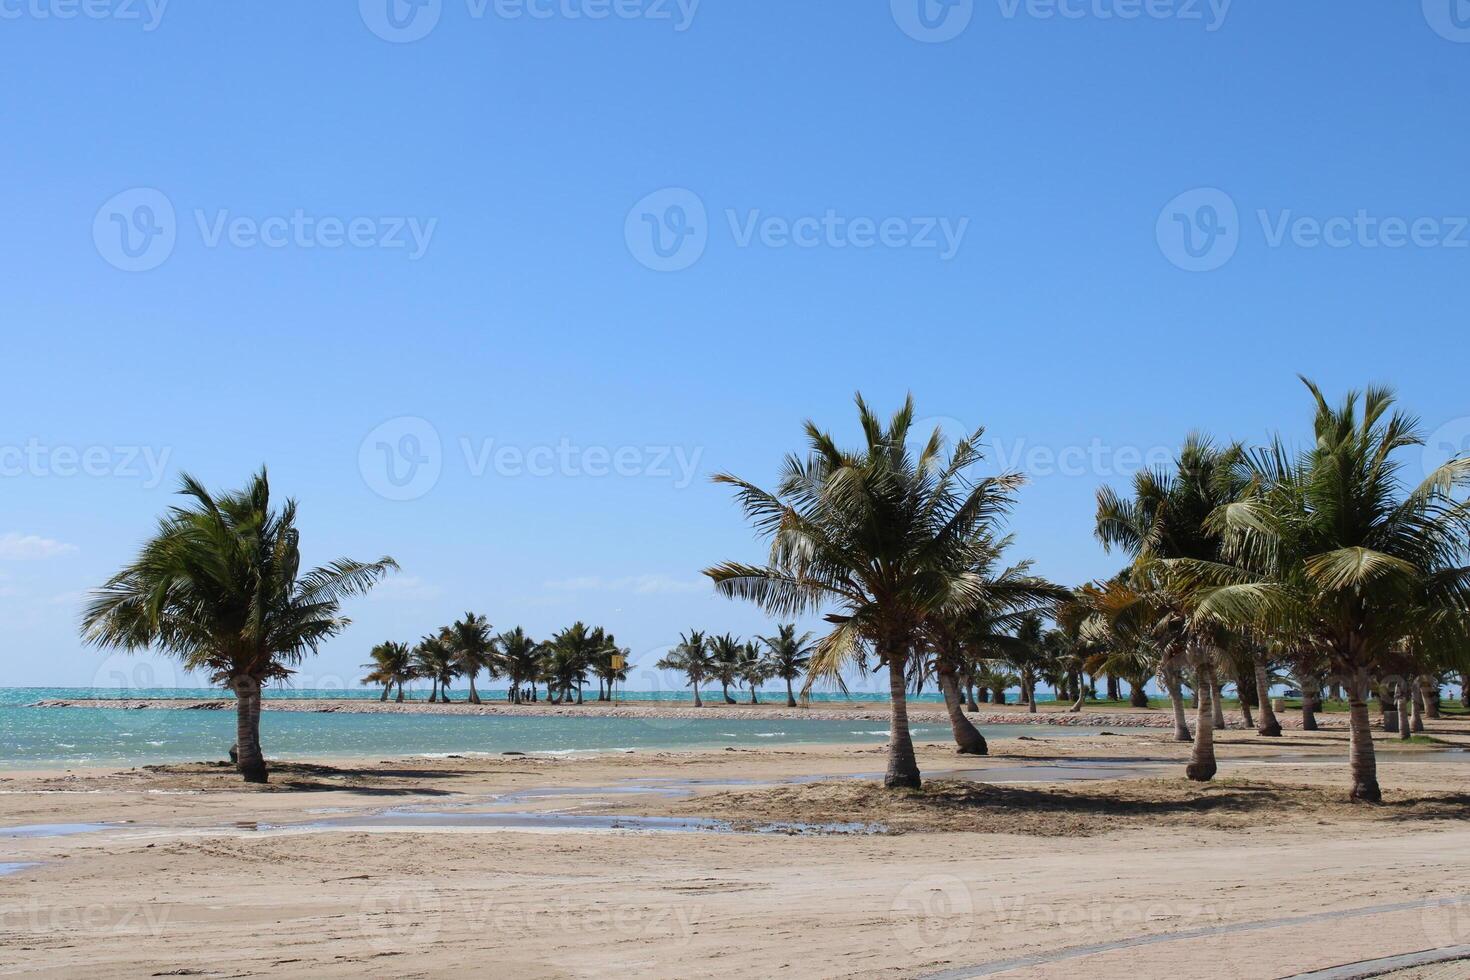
697	702
1202	767
970	704
790	697
1217	704
1081	701
1138	693
474	694
434	691
1360	726
250	760
1269	726
1405	711
966	736
386	689
1176	702
1245	711
1429	692
400	692
1416	694
1388	708
903	767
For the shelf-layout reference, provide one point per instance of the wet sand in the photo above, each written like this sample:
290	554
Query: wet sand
1071	856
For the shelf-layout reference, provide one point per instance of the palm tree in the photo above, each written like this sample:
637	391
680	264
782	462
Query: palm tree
1168	519
1330	550
219	587
788	655
886	535
604	657
754	669
570	658
520	657
726	652
433	658
392	663
473	649
692	659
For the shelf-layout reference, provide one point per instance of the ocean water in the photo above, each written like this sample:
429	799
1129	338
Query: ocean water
32	737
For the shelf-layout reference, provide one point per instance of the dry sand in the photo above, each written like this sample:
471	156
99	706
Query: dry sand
1266	873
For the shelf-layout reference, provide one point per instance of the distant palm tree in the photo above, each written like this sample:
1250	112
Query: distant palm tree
571	654
726	653
755	669
218	586
473	649
433	658
886	535
788	655
392	663
520	659
692	659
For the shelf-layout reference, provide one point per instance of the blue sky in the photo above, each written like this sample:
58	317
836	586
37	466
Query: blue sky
343	244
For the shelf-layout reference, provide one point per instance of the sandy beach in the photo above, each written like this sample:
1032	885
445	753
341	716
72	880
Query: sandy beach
1059	857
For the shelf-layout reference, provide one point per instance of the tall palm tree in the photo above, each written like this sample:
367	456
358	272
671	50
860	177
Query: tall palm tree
885	534
788	655
473	649
570	659
1168	519
520	658
692	659
726	652
219	587
1330	549
392	663
433	658
754	669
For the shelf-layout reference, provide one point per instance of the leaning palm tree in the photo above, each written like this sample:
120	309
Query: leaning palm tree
754	669
692	659
788	655
219	587
433	658
1330	550
726	653
473	649
392	663
886	535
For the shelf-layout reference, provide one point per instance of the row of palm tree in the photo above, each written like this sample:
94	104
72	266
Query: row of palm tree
468	648
1242	561
730	662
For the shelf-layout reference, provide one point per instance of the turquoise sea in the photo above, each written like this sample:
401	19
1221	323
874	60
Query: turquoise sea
33	737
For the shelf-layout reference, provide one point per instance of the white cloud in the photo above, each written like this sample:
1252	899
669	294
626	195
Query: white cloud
26	547
636	584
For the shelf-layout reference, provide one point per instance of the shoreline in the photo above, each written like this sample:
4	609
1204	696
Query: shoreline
925	711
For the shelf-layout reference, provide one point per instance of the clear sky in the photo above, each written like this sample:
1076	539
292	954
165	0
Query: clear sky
291	233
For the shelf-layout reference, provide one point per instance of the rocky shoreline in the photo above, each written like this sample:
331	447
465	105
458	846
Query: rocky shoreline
927	712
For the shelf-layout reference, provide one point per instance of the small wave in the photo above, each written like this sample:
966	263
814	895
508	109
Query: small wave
769	734
882	732
157	743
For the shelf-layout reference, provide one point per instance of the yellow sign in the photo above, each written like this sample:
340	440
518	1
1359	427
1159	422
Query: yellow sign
619	661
